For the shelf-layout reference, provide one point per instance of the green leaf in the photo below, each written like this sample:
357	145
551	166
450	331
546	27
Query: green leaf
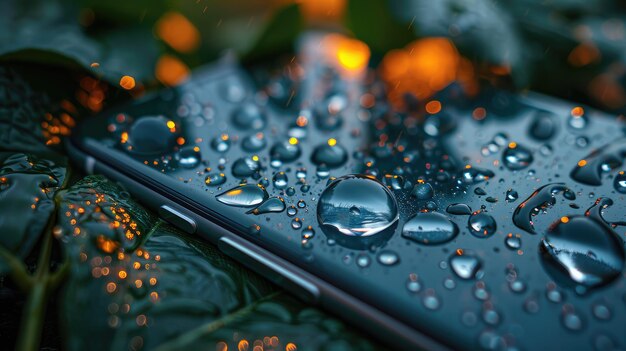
280	34
386	34
51	35
175	291
27	188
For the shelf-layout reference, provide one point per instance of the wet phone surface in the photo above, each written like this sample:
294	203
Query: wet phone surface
492	222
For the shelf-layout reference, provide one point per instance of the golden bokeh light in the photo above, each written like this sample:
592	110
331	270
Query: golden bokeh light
178	32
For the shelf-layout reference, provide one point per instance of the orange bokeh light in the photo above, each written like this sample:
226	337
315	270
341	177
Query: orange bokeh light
424	67
170	70
178	32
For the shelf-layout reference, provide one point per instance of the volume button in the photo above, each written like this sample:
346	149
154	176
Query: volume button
180	220
273	270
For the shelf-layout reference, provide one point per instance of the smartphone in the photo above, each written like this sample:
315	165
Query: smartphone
488	222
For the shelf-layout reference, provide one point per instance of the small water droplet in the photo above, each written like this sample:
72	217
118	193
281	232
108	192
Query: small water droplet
221	143
464	265
388	258
249	116
429	228
280	180
481	224
273	204
516	157
246	195
246	167
423	191
330	154
188	157
511	195
254	142
459	209
215	179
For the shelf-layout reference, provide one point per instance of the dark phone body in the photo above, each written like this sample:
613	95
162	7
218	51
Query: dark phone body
375	296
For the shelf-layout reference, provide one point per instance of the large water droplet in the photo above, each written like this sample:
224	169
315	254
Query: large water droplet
584	250
464	265
429	228
246	167
188	157
249	116
245	195
516	157
151	136
543	126
459	209
329	154
620	182
376	205
541	199
590	169
481	224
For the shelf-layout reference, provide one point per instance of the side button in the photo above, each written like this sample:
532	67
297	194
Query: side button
178	219
270	269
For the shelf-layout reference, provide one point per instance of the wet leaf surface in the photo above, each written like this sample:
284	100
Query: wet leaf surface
168	290
27	187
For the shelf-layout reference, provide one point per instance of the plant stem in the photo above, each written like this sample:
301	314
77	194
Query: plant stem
32	318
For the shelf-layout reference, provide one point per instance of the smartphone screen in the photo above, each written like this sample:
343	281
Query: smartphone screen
493	221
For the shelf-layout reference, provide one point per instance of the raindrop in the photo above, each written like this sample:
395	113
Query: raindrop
249	116
188	157
245	195
572	321
459	209
413	283
280	180
541	199
590	169
423	191
292	211
246	167
513	242
285	152
543	126
429	228
363	260
376	206
215	179
481	225
473	175
151	135
620	182
254	142
308	233
465	266
431	301
511	195
583	251
516	157
388	258
221	143
273	204
330	154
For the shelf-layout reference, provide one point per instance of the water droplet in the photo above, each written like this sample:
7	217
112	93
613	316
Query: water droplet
296	223
377	207
301	204
516	157
221	143
245	195
363	260
188	157
292	211
511	195
429	228
459	209
620	182
413	283
151	136
280	180
464	265
285	152
273	204
481	224
423	191
480	191
249	116
215	179
254	142
322	171
301	174
590	169
246	167
330	154
601	311
543	126
308	233
572	321
583	251
541	199
431	301
473	175
388	258
513	242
